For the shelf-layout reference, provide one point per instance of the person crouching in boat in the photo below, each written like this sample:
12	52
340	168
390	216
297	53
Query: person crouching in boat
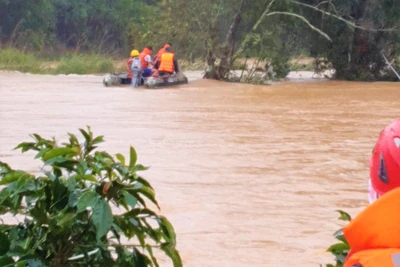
146	62
134	54
374	235
168	63
157	57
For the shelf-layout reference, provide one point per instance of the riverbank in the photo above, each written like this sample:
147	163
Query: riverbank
192	75
14	60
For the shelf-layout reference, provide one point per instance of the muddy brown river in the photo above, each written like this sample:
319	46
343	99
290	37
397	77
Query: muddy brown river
248	175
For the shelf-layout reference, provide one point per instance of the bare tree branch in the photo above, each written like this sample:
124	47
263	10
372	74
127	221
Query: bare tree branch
255	26
330	3
340	18
263	15
303	19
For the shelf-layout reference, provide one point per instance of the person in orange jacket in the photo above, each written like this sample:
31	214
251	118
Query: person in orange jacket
374	234
157	57
168	63
145	62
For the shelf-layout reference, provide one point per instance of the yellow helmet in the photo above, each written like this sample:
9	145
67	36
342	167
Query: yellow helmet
134	53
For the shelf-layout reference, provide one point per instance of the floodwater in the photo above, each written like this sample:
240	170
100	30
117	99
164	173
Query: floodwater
248	175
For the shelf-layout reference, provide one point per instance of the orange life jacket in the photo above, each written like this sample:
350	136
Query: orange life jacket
374	235
144	64
167	62
128	67
160	52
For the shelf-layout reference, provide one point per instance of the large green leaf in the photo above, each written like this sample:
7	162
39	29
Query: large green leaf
25	146
102	218
24	184
14	176
4	244
86	177
87	199
98	139
168	229
6	261
138	167
105	158
121	158
86	135
62	162
42	153
133	157
73	198
139	259
339	248
21	264
60	151
149	193
344	216
4	194
73	140
130	200
35	263
39	213
65	219
144	182
4	168
122	224
171	252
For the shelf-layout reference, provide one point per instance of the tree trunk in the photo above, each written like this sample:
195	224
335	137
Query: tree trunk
226	50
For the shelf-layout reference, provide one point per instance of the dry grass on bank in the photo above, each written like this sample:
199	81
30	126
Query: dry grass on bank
12	59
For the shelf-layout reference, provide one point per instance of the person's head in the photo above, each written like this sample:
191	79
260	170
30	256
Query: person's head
148	50
134	53
168	49
167	45
385	162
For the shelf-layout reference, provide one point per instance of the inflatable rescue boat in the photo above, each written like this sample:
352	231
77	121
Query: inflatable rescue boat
148	82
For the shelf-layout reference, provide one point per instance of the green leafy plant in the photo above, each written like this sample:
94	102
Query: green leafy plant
67	210
340	249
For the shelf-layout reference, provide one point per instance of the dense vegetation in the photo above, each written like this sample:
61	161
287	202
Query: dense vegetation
85	208
352	36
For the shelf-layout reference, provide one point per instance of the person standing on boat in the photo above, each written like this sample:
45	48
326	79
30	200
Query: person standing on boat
374	234
134	54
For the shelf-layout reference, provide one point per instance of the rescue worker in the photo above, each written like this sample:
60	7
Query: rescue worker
168	63
134	53
145	60
374	235
157	58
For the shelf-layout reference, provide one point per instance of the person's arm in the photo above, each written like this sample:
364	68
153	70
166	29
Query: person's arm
148	59
176	65
128	66
155	60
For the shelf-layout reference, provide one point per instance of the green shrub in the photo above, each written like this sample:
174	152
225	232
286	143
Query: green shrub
12	59
85	64
68	220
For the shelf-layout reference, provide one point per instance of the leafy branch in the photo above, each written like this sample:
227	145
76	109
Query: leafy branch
68	216
340	249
